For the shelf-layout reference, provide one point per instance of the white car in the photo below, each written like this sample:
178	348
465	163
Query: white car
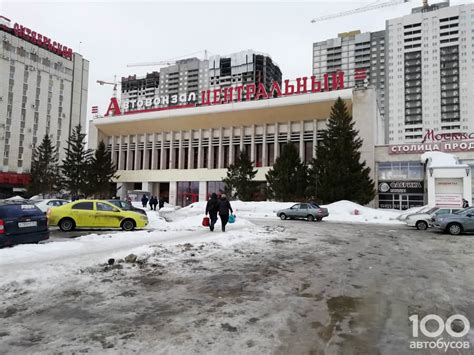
425	220
43	205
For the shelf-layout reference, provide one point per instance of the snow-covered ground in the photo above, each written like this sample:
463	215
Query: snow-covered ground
341	211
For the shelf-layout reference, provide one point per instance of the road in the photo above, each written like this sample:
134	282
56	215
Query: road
299	288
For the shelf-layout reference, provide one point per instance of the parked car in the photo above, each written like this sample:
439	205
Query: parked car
21	223
43	205
94	214
310	211
126	206
456	223
425	220
403	216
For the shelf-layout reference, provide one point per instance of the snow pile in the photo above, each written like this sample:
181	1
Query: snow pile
441	160
341	211
347	211
15	198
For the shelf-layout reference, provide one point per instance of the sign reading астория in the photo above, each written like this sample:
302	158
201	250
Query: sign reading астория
443	142
249	92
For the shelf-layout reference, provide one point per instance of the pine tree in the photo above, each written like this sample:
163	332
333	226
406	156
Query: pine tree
239	178
45	172
76	165
288	178
337	172
101	172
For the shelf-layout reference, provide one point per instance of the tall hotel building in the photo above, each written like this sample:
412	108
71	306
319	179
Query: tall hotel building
430	62
43	90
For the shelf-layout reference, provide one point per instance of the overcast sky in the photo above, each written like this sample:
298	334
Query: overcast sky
114	33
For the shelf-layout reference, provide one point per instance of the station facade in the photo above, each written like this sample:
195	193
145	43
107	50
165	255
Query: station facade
182	154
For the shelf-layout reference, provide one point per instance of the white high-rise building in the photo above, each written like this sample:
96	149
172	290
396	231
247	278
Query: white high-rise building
430	72
350	52
43	90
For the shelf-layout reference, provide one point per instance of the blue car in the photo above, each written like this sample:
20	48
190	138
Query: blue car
21	222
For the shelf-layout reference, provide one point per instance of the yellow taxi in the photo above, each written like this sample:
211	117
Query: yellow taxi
94	214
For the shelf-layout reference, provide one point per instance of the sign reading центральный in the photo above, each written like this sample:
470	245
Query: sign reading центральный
249	92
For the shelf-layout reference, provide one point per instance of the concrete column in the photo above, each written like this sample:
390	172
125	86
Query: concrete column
112	151
231	146
302	141
121	190
145	152
202	191
137	153
276	151
210	150
128	162
264	145
220	150
315	136
252	145
242	133
467	186
173	196
172	157
180	156
154	156
147	186
162	151
190	151
120	157
200	155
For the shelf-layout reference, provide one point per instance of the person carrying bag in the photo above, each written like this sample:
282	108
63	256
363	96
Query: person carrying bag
212	208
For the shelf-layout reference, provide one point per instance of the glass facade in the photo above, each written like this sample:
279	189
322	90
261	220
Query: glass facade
188	192
400	184
215	186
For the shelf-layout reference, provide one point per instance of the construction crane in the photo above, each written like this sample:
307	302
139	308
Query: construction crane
369	7
165	62
114	83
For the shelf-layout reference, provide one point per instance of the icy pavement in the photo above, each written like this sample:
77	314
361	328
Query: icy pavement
282	287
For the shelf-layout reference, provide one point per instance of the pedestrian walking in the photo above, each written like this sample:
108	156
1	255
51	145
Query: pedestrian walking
144	201
212	208
224	209
161	203
155	202
465	204
151	203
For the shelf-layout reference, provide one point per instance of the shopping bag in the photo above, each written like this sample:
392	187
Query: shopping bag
205	221
232	218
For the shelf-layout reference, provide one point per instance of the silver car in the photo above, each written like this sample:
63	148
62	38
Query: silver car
309	211
424	220
456	223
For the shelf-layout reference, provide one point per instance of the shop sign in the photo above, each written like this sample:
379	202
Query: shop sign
418	148
430	135
249	92
39	39
448	200
401	187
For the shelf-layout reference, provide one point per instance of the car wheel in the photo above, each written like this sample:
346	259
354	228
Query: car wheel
282	216
310	218
421	225
454	229
66	224
128	225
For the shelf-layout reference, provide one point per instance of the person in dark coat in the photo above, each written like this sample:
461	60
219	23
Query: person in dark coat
465	204
224	209
151	202
144	201
212	208
155	202
161	203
